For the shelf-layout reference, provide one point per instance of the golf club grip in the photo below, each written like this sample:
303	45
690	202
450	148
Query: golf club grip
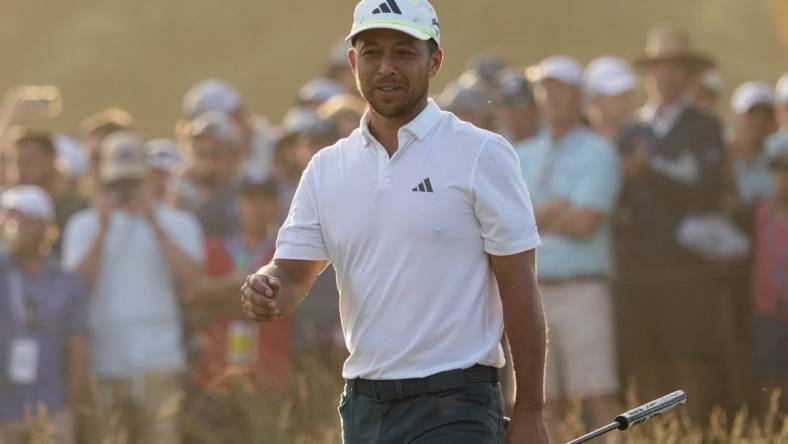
651	409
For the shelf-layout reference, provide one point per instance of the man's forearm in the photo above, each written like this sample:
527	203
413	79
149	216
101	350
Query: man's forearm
89	266
296	281
527	334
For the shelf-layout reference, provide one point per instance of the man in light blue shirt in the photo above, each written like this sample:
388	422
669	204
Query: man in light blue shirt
574	178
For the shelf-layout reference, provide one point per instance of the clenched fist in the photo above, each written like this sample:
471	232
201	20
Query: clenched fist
258	297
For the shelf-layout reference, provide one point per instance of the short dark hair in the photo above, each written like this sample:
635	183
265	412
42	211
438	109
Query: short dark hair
432	45
40	138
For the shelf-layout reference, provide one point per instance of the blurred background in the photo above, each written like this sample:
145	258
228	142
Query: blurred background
145	54
151	150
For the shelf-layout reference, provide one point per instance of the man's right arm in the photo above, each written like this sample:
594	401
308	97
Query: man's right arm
277	288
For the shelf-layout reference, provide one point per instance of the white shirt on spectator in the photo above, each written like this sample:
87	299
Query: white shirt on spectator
409	237
134	319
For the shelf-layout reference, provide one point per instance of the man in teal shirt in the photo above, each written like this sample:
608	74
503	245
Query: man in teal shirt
574	178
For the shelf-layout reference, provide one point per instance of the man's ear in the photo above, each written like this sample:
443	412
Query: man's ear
436	62
351	58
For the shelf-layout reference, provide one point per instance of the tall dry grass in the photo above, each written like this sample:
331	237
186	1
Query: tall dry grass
309	416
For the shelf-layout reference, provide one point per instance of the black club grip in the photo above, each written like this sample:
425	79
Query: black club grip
650	410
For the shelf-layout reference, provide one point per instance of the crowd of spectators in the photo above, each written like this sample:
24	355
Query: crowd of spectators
663	265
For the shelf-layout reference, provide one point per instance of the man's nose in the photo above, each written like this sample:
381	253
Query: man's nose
386	65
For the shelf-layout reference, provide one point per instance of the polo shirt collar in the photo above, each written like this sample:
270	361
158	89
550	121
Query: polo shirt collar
419	127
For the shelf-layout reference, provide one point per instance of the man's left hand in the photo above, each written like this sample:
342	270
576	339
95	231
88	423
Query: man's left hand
527	429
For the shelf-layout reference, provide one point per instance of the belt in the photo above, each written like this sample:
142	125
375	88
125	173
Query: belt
397	389
584	279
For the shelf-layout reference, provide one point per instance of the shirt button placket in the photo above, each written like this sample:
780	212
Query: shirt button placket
384	174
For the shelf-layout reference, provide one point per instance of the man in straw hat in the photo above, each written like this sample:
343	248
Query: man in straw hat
429	226
673	161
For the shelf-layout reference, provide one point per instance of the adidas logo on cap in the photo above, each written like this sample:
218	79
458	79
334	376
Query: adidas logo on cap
389	6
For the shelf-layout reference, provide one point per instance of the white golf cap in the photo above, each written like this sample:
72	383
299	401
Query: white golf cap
319	91
211	95
30	200
562	68
609	76
162	154
218	125
782	89
416	18
712	80
122	157
751	94
72	158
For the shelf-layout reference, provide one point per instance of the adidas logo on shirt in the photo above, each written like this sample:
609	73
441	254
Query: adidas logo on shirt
424	187
389	6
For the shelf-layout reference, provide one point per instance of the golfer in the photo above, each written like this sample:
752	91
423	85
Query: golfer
430	228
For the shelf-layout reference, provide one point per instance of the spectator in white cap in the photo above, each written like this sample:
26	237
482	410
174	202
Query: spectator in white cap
318	91
163	161
780	138
610	86
706	91
137	256
574	178
424	340
256	135
516	113
207	185
42	322
753	121
469	103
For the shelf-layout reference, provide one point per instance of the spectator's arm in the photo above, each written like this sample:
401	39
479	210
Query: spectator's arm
218	292
577	223
89	265
593	198
185	267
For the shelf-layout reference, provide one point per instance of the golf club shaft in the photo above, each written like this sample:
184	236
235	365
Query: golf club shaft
638	415
596	433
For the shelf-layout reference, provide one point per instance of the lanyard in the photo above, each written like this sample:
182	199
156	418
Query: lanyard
245	260
24	308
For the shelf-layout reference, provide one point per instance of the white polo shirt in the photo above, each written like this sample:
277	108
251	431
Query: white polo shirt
409	238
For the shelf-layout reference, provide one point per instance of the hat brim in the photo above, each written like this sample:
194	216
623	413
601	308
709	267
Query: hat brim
694	61
112	174
407	28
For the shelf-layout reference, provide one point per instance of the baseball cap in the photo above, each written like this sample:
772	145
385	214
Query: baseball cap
216	124
211	95
562	68
122	157
514	90
782	89
460	99
416	18
609	76
30	200
162	154
73	159
319	91
751	94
